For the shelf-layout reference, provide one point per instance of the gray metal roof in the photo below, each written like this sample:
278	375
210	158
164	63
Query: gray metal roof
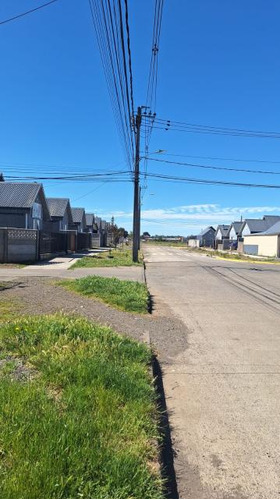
272	219
78	214
275	229
57	206
224	228
206	230
256	225
18	194
89	219
237	225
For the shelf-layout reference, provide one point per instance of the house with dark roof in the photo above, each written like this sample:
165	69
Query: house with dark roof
253	226
91	226
79	220
23	205
206	238
234	230
266	243
60	212
222	232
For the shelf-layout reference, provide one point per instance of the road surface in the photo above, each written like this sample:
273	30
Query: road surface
222	375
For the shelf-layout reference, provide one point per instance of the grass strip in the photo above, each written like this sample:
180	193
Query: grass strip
234	256
78	412
112	258
130	296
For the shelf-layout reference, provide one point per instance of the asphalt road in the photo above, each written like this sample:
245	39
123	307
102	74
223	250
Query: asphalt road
222	374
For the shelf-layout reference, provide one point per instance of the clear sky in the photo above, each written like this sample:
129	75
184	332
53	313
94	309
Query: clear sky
218	65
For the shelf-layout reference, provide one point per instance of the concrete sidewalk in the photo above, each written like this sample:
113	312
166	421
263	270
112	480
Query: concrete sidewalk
58	267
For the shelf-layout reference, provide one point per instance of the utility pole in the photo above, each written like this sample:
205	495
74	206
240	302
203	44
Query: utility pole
136	205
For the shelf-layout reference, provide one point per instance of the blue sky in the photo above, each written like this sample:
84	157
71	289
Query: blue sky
218	65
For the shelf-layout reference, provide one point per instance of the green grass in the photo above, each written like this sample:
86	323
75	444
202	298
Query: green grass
126	295
111	258
78	412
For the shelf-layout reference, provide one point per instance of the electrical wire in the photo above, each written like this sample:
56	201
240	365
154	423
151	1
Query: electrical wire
210	182
243	160
27	12
166	125
213	167
111	24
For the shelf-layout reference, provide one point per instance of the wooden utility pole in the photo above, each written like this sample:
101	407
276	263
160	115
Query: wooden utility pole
136	205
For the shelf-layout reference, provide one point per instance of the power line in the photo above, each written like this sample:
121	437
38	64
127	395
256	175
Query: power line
27	12
243	160
153	77
108	22
212	167
170	178
166	125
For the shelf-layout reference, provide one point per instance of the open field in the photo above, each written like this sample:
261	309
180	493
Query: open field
78	415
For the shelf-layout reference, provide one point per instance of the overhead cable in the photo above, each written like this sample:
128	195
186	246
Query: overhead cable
27	12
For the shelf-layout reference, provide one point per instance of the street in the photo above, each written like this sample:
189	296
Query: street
221	379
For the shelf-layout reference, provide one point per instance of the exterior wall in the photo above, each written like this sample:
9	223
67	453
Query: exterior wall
232	234
18	245
267	245
13	217
219	235
194	243
246	231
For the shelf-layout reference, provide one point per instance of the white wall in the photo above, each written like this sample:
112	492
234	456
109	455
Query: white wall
194	243
268	245
232	234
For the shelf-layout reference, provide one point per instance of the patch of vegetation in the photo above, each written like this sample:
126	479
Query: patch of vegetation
234	256
165	243
82	421
9	309
112	258
130	296
13	266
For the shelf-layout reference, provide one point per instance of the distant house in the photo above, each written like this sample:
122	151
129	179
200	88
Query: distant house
206	238
60	212
234	230
266	243
91	226
253	226
23	205
79	219
222	232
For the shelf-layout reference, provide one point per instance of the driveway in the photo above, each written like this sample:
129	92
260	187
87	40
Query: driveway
221	374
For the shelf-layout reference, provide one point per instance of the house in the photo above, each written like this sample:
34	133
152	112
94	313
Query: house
79	220
23	205
253	226
234	230
266	243
90	224
206	238
222	232
60	212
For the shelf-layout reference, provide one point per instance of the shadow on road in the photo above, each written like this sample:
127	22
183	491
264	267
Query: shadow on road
166	455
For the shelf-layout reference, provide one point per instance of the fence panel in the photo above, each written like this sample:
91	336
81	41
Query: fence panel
83	241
